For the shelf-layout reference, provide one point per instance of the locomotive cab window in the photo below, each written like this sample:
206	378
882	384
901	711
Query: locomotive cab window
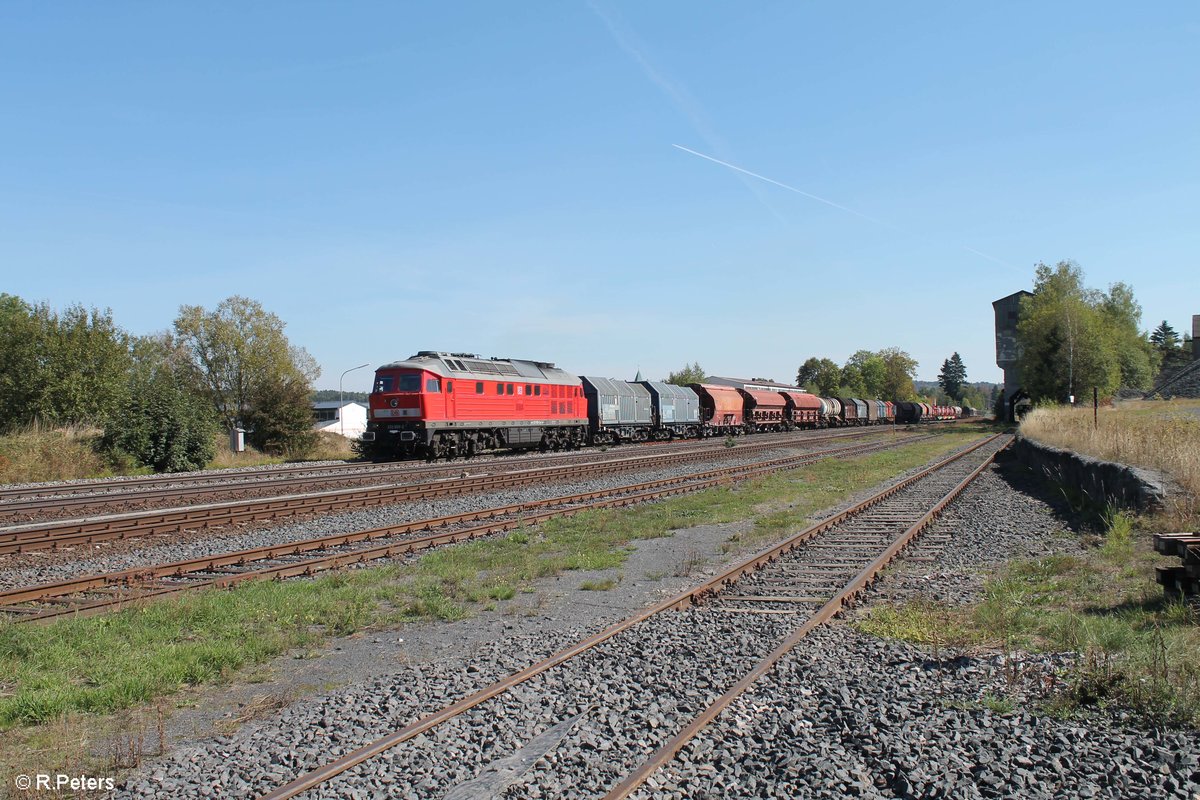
433	385
405	383
384	383
449	387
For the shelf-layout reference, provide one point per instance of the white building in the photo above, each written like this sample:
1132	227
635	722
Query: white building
348	419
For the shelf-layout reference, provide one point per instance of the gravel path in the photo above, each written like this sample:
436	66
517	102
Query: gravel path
843	715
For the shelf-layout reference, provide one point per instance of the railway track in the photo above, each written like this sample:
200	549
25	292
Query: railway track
59	534
38	502
94	594
603	716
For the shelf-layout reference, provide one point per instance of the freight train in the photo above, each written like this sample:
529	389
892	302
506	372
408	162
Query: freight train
446	405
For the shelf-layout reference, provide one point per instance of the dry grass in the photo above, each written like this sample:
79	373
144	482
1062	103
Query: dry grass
36	453
329	447
1162	435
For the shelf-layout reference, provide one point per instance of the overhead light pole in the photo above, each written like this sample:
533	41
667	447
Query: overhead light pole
341	400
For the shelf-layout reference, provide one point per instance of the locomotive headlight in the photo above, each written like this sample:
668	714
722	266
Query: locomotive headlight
394	402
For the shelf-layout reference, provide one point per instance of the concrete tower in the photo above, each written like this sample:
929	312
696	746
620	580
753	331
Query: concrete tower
1008	352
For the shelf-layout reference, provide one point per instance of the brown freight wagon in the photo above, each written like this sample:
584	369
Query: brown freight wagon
721	409
762	410
803	410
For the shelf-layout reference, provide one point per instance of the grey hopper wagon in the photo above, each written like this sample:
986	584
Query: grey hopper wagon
618	411
676	410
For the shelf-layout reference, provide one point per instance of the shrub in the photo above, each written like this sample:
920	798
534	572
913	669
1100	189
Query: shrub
164	426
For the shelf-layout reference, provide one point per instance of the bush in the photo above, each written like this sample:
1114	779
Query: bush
280	420
164	426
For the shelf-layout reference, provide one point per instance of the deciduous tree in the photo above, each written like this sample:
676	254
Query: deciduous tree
60	367
819	375
899	371
247	364
1074	338
166	423
690	373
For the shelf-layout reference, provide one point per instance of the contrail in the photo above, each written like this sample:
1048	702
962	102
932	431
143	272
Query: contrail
785	186
827	202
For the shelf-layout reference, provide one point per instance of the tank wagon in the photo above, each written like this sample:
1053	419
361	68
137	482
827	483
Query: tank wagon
437	404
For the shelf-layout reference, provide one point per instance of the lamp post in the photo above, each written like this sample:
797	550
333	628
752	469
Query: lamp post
341	400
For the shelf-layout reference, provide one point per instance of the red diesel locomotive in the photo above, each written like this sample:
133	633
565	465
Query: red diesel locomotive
456	404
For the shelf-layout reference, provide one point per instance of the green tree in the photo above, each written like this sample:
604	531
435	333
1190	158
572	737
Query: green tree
60	367
281	417
867	372
1171	349
1074	338
21	369
246	364
166	424
1137	358
690	373
1164	337
899	371
819	375
953	376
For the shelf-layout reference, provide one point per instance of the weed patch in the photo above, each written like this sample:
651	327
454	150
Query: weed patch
1136	648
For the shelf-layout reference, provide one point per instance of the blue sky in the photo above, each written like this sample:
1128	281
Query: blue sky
508	178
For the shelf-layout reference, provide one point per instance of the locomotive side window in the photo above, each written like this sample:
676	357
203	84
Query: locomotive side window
479	387
510	389
537	390
499	388
433	385
449	387
528	389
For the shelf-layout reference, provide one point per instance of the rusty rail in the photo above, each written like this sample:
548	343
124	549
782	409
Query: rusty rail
691	596
143	583
67	533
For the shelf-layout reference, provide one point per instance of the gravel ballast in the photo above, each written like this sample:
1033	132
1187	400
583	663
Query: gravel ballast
843	715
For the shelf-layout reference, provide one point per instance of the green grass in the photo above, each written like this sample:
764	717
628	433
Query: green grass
1137	649
123	660
598	585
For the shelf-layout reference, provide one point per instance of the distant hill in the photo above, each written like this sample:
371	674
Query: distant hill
325	395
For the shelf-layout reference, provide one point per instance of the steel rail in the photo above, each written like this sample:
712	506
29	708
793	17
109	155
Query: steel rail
686	598
37	497
66	533
828	611
147	580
